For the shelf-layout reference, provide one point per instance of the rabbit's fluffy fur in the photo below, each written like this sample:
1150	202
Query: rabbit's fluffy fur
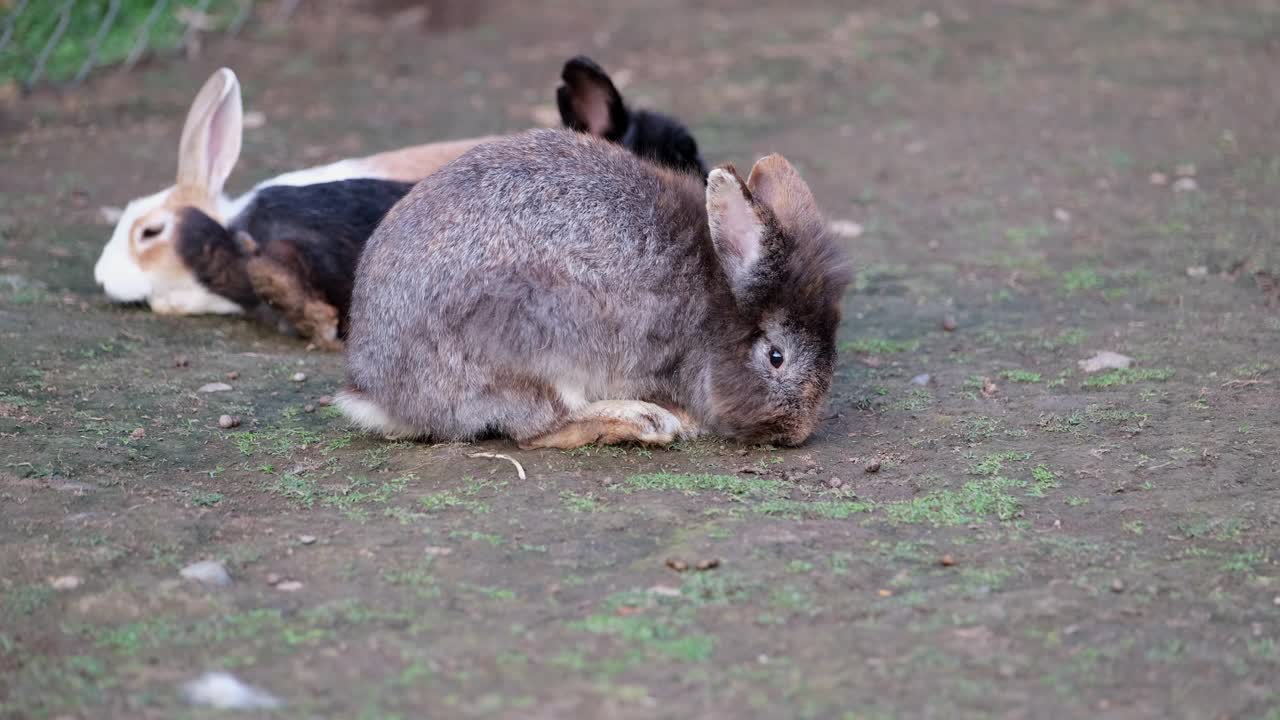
556	289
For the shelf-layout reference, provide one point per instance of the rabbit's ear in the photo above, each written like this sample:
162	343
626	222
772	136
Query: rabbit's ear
737	230
210	142
776	184
589	102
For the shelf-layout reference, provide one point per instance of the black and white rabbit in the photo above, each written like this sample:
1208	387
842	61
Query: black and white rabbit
558	290
292	242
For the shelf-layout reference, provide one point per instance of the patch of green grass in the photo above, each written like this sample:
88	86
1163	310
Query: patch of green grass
1126	376
1245	562
1042	480
26	599
978	428
207	499
1075	501
37	24
974	501
580	502
696	483
914	400
653	633
448	500
1021	376
993	463
1081	278
829	509
878	346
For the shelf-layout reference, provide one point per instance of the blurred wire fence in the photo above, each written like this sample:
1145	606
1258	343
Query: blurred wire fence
62	41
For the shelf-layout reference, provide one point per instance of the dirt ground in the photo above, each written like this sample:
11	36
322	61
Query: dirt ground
1008	537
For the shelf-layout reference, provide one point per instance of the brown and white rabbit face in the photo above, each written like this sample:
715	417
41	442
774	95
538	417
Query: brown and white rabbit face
141	261
787	278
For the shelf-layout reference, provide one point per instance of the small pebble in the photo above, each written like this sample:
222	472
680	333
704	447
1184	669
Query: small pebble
233	375
1186	184
922	379
225	692
307	539
437	551
138	434
324	401
1158	178
835	482
208	572
181	361
677	565
1117	586
664	591
308	408
299	377
273	578
873	466
66	582
227	422
1061	215
949	324
214	387
1276	601
1197	271
947	560
289	586
708	564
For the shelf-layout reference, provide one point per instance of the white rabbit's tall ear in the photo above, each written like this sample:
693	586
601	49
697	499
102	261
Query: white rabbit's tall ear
211	138
737	230
775	184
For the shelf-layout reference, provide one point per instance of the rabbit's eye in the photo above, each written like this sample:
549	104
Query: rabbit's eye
152	231
775	357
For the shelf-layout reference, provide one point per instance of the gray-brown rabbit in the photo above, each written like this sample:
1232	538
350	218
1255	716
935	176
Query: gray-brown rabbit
558	290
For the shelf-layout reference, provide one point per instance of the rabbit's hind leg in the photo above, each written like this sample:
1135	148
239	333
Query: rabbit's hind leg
282	284
609	422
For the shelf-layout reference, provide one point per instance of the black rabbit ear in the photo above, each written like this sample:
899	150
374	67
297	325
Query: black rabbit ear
589	102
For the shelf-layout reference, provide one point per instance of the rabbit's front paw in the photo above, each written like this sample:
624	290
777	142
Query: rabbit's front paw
610	422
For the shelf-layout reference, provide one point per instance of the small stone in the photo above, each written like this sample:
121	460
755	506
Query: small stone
1186	184
677	565
930	19
708	564
214	387
1185	170
1276	601
324	401
949	324
274	578
1158	178
110	214
835	482
223	691
226	422
233	375
307	539
873	466
138	434
884	593
66	582
1197	271
664	591
437	551
1117	586
299	377
208	572
947	560
253	119
1105	360
182	361
289	586
308	408
1061	215
921	380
